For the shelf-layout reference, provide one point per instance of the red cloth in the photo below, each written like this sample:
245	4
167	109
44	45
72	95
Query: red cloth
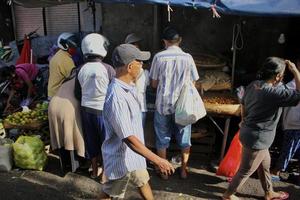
25	53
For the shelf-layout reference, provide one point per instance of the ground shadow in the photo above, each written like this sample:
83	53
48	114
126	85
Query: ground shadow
16	188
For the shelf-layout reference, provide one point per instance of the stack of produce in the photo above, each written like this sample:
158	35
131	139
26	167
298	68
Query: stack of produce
32	117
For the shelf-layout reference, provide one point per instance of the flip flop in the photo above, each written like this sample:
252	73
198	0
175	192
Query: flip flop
284	195
229	179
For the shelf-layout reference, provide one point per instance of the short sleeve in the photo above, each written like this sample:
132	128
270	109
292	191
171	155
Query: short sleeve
67	67
120	119
154	70
194	71
110	71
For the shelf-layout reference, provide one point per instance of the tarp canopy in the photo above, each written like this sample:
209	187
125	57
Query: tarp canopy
260	7
239	7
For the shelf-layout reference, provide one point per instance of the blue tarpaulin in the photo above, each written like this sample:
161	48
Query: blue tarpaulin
260	7
238	7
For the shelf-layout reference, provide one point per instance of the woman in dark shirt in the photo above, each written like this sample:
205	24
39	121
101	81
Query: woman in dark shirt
261	110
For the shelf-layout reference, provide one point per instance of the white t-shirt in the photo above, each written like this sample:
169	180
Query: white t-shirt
141	85
94	79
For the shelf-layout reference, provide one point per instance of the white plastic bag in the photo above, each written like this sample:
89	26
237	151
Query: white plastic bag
189	107
6	157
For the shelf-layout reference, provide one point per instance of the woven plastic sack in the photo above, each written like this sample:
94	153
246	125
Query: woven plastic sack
232	160
189	107
6	160
29	153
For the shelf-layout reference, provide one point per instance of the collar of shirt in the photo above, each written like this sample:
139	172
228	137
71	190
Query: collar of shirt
174	47
65	52
125	86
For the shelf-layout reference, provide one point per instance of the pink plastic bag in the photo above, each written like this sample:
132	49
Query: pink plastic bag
232	160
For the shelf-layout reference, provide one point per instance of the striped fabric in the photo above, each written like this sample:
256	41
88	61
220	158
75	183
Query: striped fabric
122	118
171	68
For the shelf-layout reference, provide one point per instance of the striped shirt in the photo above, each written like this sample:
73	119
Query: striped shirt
171	68
122	118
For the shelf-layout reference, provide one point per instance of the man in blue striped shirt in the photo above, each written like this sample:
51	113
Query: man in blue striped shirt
123	150
169	71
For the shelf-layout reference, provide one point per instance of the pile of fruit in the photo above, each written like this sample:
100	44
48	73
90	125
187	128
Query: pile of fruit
39	114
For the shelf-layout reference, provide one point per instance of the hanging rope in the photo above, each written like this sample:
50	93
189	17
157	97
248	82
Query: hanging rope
213	8
237	37
169	12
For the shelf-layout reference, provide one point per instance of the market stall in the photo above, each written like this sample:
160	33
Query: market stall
217	75
215	86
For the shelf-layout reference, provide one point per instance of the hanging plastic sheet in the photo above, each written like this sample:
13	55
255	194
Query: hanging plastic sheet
238	7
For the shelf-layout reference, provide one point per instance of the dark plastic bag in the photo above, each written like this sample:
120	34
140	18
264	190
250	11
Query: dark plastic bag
232	160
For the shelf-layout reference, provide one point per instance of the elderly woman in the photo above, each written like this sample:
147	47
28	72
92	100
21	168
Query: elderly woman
261	110
65	121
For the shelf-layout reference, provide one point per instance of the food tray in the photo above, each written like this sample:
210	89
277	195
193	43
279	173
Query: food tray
208	61
215	87
221	103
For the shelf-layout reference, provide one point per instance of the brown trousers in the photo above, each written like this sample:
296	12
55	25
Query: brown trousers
253	160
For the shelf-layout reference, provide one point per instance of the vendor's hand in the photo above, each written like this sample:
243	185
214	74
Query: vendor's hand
165	166
292	67
25	102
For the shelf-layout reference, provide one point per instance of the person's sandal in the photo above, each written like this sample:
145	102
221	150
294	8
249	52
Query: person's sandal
100	171
183	176
283	196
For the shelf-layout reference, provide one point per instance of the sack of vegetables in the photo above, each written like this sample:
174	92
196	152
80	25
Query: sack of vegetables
29	153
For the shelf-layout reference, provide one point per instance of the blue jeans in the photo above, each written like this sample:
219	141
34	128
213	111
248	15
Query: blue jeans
290	146
165	127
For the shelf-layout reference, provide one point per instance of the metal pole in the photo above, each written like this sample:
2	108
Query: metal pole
14	19
233	67
44	21
224	142
78	14
233	58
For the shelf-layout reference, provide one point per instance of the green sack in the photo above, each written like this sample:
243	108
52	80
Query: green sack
29	153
